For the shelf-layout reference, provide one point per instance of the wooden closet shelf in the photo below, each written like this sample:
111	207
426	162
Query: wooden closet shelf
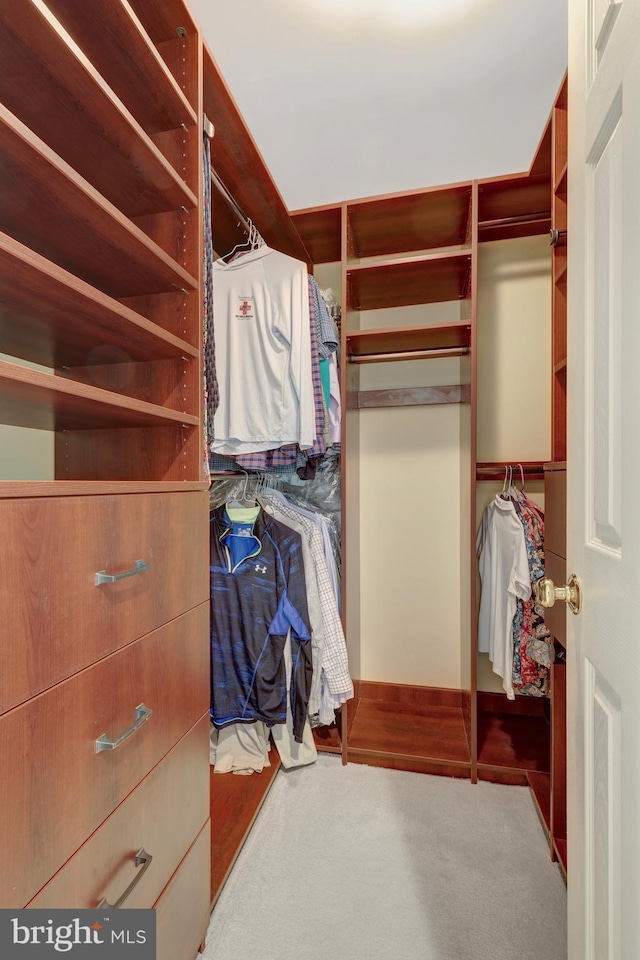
512	741
435	278
123	53
320	230
80	117
59	320
523	196
407	730
423	219
46	206
29	398
560	365
235	803
392	340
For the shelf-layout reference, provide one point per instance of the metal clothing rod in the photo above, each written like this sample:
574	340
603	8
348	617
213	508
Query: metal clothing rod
427	354
222	190
524	218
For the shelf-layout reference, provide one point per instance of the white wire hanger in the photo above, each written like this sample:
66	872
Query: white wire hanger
253	241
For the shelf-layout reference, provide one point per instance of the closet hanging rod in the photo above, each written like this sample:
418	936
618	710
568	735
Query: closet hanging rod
224	193
429	353
512	221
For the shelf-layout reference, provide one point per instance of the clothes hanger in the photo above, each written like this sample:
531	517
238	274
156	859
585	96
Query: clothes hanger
504	493
245	502
247	242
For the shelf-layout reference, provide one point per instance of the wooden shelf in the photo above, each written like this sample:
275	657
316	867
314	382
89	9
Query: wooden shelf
435	278
235	803
58	320
435	733
561	365
510	741
320	230
391	340
75	226
408	397
124	55
80	117
540	784
511	207
29	398
414	221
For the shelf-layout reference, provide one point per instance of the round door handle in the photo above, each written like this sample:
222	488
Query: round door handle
546	593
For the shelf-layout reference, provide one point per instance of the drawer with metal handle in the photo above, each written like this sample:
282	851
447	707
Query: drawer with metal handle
84	576
74	753
131	857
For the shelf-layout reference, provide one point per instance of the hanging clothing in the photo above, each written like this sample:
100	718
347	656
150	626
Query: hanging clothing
263	348
505	577
258	593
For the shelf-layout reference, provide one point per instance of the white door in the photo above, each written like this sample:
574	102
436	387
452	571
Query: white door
603	493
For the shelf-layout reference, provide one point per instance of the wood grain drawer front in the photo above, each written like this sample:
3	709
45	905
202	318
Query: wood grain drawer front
163	816
58	620
183	909
56	789
556	616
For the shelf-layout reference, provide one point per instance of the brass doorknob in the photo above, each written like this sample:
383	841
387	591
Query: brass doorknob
546	593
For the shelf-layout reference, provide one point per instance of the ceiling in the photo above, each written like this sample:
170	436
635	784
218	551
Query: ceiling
353	98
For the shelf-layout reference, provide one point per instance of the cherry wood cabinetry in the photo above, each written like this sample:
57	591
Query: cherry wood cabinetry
104	686
422	248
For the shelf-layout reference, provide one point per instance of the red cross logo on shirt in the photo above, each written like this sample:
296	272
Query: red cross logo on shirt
245	308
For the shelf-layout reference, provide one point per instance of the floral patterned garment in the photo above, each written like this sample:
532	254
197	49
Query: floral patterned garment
532	646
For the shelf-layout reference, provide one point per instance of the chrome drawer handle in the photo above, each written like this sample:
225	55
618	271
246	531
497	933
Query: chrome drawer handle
143	859
106	743
140	566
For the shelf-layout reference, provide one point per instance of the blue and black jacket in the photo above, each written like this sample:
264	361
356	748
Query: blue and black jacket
258	593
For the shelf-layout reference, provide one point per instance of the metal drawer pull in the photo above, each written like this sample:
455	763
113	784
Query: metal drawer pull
143	859
106	743
140	566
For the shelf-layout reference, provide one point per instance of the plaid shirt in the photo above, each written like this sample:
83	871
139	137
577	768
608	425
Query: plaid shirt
335	663
328	338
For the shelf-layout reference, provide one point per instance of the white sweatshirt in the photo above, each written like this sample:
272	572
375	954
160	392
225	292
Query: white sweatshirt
263	353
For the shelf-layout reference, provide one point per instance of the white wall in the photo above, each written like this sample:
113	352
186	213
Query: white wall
26	454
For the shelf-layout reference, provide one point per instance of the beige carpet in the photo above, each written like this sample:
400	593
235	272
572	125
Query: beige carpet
362	863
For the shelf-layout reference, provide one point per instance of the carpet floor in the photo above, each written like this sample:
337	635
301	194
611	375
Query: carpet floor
364	863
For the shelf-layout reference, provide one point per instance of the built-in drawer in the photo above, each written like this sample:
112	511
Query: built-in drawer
162	816
56	618
56	787
183	909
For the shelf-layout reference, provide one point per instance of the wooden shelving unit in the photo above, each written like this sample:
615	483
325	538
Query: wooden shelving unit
379	344
412	280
